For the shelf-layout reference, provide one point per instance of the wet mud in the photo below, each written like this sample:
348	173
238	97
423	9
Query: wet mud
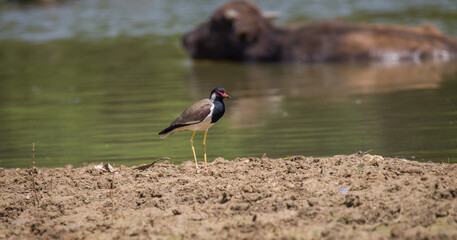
357	196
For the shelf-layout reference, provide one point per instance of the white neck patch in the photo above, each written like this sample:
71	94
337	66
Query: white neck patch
213	96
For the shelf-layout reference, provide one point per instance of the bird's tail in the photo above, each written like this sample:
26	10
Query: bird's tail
167	131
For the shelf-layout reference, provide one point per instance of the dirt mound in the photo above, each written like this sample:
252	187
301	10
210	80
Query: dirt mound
358	196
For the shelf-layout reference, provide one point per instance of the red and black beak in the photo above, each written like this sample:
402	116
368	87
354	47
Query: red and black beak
223	95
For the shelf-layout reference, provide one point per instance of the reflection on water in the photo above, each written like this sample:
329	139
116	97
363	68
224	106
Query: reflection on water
105	99
263	87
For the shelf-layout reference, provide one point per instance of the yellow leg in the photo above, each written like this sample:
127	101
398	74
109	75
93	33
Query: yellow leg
204	145
193	149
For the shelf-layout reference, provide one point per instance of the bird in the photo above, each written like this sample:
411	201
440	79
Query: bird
200	116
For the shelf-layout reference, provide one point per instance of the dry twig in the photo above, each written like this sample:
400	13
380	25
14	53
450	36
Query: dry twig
146	166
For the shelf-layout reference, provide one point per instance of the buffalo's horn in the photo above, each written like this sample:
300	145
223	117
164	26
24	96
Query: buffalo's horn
231	14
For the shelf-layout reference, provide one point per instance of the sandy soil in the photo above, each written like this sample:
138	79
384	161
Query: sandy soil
358	196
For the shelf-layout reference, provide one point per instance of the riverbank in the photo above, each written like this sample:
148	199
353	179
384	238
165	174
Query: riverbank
357	196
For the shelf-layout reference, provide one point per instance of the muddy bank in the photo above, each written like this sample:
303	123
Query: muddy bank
343	197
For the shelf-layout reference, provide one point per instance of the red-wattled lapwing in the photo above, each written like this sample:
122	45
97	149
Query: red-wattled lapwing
200	116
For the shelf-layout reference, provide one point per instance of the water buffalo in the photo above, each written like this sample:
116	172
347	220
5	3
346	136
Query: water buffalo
239	31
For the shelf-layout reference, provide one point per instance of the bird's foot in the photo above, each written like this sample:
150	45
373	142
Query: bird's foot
199	169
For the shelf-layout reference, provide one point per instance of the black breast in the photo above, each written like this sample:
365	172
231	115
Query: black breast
218	112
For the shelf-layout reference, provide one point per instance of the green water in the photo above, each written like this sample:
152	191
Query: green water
95	81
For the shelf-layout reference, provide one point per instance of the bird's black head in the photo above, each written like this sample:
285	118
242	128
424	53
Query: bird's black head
218	93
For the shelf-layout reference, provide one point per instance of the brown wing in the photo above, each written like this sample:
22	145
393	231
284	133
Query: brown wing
195	113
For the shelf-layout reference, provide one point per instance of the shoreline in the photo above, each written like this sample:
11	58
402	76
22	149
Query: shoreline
358	196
